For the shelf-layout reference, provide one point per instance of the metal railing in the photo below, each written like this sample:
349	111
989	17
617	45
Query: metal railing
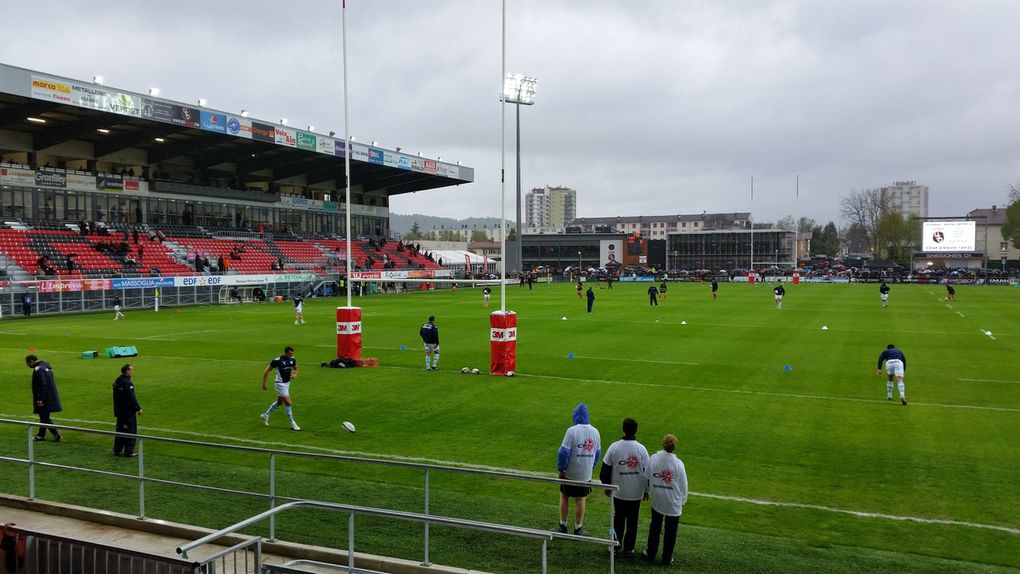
273	498
352	511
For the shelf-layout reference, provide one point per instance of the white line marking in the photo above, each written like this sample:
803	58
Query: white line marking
961	314
755	501
637	360
763	393
164	335
990	381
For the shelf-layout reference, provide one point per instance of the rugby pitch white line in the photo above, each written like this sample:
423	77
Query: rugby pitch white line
423	460
990	381
614	359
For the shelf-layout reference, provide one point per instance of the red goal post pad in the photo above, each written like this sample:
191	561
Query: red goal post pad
502	342
348	332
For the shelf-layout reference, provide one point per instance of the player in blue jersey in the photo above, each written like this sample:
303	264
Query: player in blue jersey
895	365
883	294
286	371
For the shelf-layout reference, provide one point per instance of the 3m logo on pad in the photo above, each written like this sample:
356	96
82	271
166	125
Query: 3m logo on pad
503	334
352	328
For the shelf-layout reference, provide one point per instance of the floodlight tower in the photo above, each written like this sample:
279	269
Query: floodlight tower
519	90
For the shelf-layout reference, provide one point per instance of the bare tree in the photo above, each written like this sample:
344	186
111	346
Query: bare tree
1014	191
863	209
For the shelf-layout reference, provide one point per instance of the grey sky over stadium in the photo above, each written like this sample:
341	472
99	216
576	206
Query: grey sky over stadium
643	107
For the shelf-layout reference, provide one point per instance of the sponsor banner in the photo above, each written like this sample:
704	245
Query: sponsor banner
185	116
142	282
123	104
109	183
285	136
200	280
375	155
263	132
17	176
359	152
348	327
156	110
135	185
329	206
213	121
404	162
305	140
645	279
428	166
824	279
390	159
950	255
79	182
503	334
326	145
73	285
238	126
51	179
44	88
407	275
339	148
447	170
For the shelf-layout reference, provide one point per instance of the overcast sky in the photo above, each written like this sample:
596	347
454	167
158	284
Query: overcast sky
643	106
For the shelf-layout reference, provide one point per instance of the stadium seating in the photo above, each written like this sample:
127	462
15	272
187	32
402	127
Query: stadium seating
103	256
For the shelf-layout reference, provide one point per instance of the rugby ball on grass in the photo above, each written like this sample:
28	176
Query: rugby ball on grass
475	371
465	370
348	426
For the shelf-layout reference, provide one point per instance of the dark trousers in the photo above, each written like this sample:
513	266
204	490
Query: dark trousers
44	418
625	517
653	300
591	302
669	540
125	445
26	308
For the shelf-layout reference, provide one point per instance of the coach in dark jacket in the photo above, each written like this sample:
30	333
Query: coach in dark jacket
126	409
45	399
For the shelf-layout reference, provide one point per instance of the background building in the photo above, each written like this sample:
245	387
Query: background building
550	207
730	249
659	226
906	198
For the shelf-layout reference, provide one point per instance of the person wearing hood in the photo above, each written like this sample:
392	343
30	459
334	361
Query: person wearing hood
624	466
579	453
45	399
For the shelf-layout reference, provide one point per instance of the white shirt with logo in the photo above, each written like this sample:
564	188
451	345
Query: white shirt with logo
628	458
667	483
583	442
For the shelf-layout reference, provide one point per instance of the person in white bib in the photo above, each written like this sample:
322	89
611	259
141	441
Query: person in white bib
667	488
624	466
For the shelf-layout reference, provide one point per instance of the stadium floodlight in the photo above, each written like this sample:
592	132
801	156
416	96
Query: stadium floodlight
153	92
283	121
311	128
519	90
419	154
332	133
202	102
97	80
244	113
375	143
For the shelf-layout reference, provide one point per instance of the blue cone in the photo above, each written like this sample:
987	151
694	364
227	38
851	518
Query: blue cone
787	368
570	355
403	347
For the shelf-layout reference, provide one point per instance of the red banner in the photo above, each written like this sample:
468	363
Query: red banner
502	342
348	332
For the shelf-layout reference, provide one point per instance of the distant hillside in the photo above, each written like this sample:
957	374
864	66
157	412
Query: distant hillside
401	223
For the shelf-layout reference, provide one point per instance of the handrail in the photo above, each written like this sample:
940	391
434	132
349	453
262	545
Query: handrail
334	457
368	511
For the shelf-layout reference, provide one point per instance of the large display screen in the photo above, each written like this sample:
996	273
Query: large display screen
956	236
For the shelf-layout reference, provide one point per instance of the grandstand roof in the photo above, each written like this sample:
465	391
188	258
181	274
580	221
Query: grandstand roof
75	111
657	218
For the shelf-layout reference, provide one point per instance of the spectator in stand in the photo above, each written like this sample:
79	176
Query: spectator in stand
134	234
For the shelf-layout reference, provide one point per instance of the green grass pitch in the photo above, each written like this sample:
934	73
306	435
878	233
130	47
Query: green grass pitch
806	469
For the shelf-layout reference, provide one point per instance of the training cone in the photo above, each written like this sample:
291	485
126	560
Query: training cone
403	347
564	318
787	368
824	328
32	350
683	322
570	355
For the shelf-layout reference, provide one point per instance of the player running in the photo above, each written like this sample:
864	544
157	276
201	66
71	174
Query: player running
286	371
779	291
895	365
